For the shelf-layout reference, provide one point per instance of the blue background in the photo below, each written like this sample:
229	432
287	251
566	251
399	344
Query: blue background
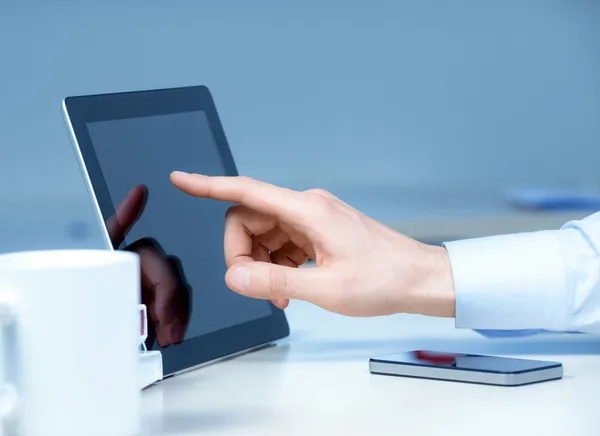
457	96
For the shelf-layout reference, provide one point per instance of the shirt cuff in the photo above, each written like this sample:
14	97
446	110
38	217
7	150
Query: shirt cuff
510	282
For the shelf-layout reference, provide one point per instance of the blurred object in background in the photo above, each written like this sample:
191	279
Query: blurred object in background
554	200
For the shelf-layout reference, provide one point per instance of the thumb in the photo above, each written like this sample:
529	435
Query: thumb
272	282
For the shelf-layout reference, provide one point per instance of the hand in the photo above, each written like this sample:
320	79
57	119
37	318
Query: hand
362	267
164	289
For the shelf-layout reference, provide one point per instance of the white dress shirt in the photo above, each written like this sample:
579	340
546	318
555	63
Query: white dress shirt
525	283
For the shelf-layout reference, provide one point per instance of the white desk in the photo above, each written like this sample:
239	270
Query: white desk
317	383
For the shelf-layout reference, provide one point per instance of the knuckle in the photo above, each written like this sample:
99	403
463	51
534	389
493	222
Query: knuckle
244	179
317	209
289	257
233	212
320	192
277	282
298	257
319	201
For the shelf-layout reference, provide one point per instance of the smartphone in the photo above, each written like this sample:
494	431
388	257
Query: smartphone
467	368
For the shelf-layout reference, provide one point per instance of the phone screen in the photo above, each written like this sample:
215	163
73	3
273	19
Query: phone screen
467	362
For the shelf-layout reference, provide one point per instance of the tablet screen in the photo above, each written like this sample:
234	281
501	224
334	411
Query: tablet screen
188	231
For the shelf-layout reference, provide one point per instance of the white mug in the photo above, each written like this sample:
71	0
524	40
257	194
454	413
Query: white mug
70	326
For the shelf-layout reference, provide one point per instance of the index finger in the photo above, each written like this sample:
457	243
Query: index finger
281	203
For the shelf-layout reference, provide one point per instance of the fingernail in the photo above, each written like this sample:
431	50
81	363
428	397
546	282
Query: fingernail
240	279
281	303
180	173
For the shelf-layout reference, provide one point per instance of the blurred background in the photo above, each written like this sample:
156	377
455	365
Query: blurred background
421	113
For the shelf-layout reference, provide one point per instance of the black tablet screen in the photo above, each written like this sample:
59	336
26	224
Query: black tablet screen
179	236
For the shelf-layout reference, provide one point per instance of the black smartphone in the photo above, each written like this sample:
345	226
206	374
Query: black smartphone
467	368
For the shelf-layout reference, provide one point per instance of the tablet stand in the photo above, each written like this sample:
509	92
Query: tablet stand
150	367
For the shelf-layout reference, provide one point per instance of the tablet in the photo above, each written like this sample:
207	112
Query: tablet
129	143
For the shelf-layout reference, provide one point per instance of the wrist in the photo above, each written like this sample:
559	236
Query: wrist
433	292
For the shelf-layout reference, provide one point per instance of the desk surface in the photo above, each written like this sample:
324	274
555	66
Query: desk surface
317	382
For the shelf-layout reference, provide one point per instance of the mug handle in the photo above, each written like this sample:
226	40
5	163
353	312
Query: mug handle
9	397
143	326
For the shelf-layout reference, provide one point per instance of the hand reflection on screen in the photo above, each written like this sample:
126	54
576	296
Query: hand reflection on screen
165	291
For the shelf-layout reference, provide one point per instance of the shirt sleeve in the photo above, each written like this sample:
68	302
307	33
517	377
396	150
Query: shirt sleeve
529	282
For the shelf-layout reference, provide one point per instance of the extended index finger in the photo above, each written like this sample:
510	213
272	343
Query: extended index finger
281	203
